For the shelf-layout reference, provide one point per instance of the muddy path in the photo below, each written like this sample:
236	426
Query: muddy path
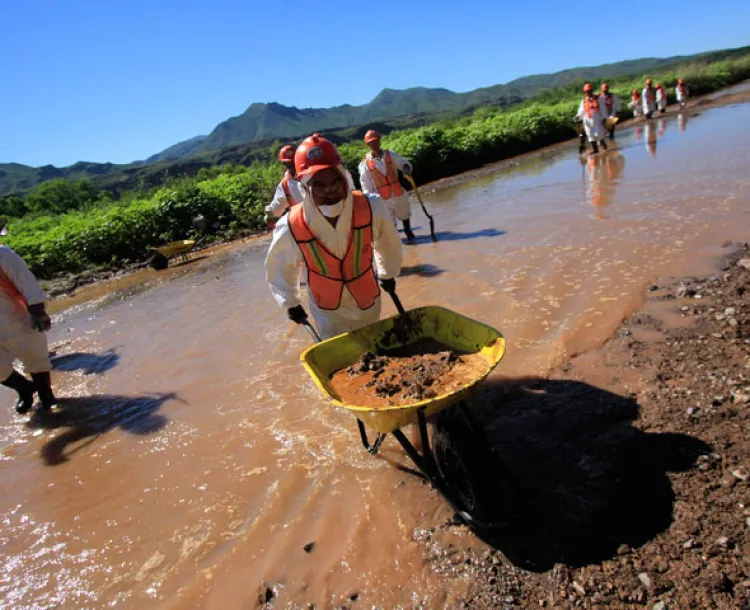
192	463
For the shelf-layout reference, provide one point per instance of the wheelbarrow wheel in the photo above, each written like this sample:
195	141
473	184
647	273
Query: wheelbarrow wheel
159	261
465	463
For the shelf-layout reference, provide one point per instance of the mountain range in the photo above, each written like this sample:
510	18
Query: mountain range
265	123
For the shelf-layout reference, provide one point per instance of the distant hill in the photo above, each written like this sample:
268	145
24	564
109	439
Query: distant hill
238	139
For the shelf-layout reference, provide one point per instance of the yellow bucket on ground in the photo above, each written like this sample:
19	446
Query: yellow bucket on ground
323	359
175	247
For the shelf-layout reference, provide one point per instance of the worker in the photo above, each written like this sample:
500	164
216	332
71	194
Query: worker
343	239
288	192
636	105
681	92
661	98
23	322
611	106
378	173
592	115
649	99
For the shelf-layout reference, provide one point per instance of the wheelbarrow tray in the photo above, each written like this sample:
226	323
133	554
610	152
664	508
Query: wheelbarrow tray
610	122
458	332
176	247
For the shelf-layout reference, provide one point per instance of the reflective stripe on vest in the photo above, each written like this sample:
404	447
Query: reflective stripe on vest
590	104
327	274
290	199
388	184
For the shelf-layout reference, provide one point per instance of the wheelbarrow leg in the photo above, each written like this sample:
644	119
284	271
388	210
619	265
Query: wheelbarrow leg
371	449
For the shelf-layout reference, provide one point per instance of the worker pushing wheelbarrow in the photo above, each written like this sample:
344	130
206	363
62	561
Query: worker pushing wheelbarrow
350	250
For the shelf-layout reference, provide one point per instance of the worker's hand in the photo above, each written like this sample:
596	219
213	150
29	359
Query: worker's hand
388	285
297	314
407	169
41	323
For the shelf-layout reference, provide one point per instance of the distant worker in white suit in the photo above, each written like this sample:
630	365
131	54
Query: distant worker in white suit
378	174
682	92
344	241
611	105
648	97
23	323
661	98
636	105
289	191
591	113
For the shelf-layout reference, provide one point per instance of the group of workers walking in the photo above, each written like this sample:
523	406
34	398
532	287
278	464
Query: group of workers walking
597	113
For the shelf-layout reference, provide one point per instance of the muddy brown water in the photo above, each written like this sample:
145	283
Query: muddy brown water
193	459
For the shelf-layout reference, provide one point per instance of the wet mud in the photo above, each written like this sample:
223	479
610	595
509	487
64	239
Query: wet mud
422	370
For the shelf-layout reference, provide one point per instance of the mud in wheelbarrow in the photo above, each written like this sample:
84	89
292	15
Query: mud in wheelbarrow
459	454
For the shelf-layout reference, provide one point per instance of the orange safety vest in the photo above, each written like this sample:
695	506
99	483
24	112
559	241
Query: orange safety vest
7	285
288	192
590	104
663	93
327	274
649	94
636	97
388	184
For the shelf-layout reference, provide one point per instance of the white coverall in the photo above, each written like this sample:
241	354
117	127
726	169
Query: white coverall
616	105
661	98
18	340
399	207
682	94
594	125
649	104
637	106
284	260
279	204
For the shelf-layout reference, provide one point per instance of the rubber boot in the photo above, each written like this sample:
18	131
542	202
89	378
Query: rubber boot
25	389
604	144
581	144
594	147
410	237
43	383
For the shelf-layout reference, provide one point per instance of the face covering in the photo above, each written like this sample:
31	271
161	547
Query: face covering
332	211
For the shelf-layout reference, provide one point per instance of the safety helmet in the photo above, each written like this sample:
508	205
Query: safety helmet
680	81
658	86
286	154
371	136
636	92
587	87
649	82
315	154
605	87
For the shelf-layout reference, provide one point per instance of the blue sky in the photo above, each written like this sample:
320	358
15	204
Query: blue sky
119	80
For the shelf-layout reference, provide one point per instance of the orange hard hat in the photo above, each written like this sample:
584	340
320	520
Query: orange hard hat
636	92
658	86
316	154
649	81
680	81
605	87
587	87
286	153
372	135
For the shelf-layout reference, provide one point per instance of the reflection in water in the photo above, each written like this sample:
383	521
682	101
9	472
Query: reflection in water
682	121
638	132
650	139
661	127
604	171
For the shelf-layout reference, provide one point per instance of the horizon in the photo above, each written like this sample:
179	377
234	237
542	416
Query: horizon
118	84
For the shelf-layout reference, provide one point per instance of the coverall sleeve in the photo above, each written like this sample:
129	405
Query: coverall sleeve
581	112
15	268
386	241
282	266
365	178
616	105
278	203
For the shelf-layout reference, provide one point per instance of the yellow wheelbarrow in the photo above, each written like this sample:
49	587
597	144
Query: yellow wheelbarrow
459	454
181	248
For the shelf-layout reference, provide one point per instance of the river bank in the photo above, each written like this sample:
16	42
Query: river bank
634	457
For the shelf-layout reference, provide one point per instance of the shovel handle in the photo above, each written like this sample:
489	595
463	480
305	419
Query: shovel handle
311	331
396	301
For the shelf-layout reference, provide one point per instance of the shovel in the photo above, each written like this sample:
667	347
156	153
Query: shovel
426	213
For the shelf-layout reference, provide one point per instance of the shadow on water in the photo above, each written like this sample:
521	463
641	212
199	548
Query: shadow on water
584	480
425	270
90	364
457	236
88	417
